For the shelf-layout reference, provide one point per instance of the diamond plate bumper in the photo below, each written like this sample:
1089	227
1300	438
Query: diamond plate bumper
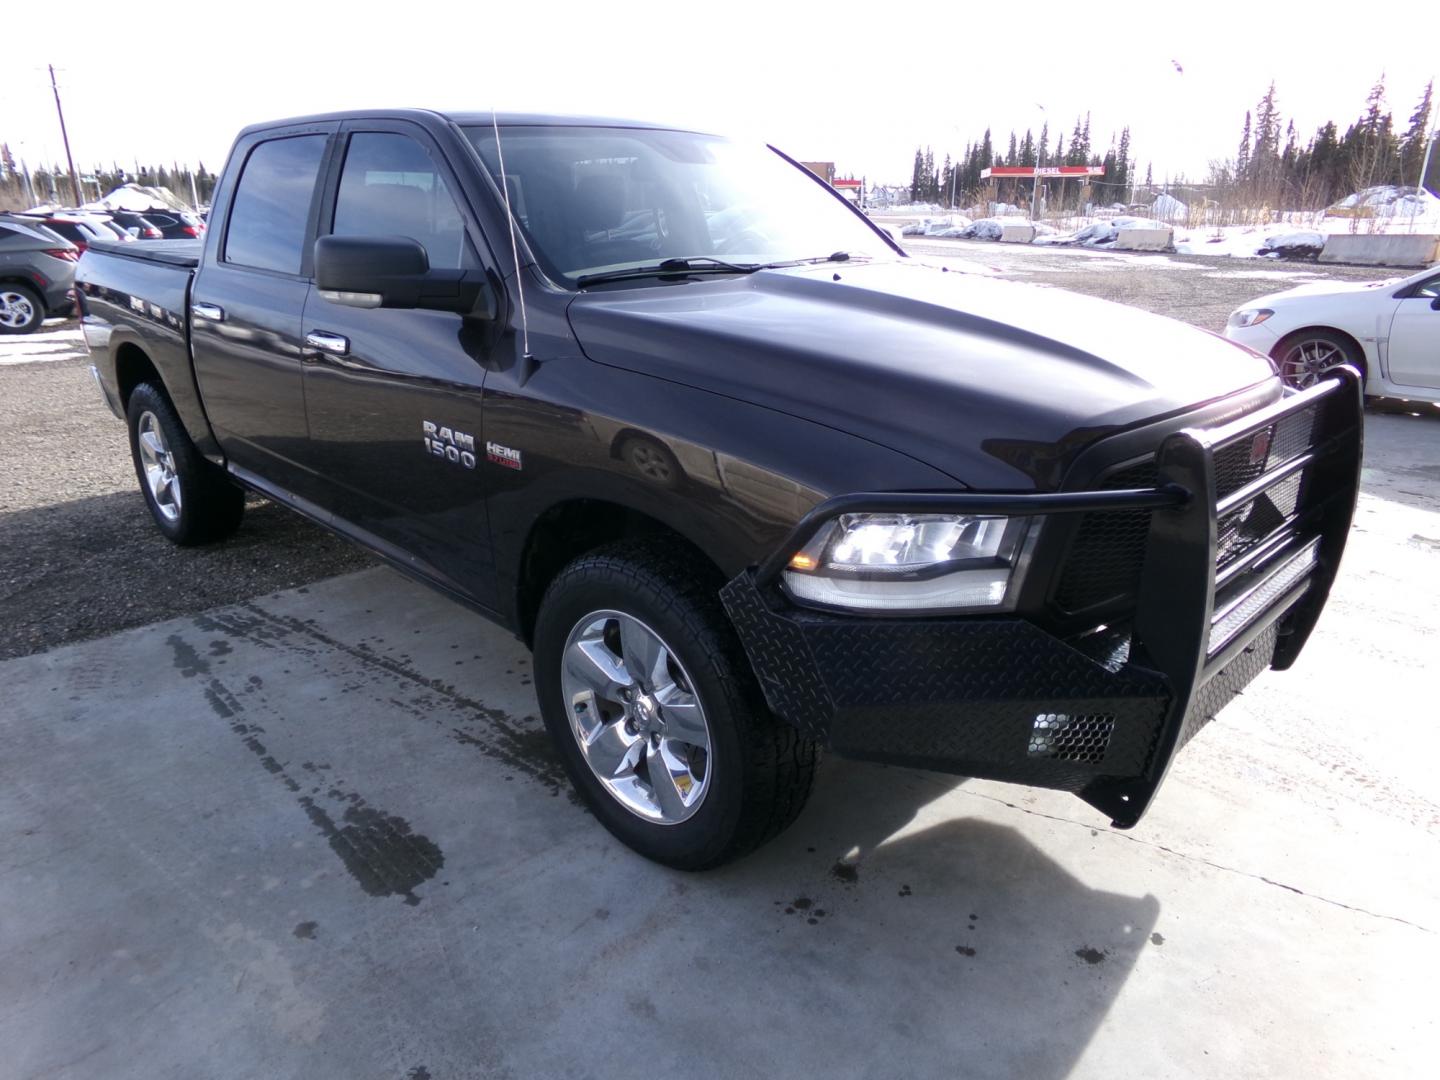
1000	698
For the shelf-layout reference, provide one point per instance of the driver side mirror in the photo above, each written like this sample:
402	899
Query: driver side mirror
1435	304
394	272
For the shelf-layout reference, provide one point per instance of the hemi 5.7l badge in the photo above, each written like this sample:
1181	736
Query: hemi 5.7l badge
503	455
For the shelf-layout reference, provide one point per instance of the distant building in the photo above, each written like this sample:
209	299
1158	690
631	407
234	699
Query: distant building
825	170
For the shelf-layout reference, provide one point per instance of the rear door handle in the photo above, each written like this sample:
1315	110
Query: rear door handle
213	312
324	341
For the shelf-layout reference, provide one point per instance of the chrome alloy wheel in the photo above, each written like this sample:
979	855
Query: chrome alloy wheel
1306	362
159	465
634	714
16	309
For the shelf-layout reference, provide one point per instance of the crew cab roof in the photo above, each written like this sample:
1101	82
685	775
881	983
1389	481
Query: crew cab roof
467	117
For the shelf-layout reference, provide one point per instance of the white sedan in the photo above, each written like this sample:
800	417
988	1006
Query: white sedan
1390	330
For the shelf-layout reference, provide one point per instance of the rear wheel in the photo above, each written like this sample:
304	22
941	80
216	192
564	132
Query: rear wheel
652	706
21	310
191	500
1305	356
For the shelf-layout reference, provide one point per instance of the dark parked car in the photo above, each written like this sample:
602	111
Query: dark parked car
37	273
746	479
144	228
176	224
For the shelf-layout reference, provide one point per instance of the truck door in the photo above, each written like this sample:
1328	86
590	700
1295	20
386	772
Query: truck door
247	301
1414	351
393	397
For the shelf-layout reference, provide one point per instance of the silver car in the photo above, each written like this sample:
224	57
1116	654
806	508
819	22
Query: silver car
37	274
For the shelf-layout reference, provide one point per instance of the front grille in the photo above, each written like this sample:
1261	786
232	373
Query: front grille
1105	556
1108	550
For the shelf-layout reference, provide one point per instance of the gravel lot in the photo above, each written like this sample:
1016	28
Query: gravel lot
80	558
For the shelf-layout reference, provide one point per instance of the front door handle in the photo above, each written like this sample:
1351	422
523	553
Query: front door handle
213	312
324	341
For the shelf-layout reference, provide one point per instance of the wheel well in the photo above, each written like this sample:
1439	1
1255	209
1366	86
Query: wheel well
1333	332
132	367
570	529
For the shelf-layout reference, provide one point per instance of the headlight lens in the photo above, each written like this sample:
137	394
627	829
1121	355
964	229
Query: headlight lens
910	562
1250	316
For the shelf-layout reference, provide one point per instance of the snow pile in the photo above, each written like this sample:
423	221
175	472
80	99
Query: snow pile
951	225
138	197
1293	244
1387	201
1103	233
1168	208
990	228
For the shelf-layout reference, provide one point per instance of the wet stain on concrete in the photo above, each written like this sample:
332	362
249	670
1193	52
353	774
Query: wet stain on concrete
905	891
964	950
524	745
419	1072
848	873
1157	938
305	930
380	850
220	647
1091	955
187	661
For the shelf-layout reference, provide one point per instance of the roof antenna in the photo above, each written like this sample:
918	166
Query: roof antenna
527	358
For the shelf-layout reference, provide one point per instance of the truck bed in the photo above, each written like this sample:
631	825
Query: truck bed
185	253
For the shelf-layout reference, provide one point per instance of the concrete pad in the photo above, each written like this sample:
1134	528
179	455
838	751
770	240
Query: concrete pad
1144	239
321	834
1017	234
1381	249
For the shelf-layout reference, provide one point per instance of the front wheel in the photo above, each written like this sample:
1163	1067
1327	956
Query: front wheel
1306	356
191	500
652	706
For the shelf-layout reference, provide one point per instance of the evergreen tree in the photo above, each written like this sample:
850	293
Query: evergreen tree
1122	167
1242	157
1043	151
1412	143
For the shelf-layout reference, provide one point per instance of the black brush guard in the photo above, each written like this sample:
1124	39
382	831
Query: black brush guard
999	697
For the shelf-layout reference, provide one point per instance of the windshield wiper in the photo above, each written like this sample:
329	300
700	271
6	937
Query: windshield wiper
695	264
834	256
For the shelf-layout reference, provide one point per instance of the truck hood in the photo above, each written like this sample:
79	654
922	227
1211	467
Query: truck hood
995	383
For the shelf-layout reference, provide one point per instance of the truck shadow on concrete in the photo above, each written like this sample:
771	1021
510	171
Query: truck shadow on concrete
963	933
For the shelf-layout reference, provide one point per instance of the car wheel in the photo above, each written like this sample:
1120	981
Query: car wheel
651	703
1306	355
21	310
191	500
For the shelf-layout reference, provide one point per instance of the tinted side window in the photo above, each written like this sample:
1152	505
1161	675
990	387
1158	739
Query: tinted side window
272	204
1429	288
391	187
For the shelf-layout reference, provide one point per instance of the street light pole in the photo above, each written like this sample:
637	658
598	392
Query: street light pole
1425	166
64	136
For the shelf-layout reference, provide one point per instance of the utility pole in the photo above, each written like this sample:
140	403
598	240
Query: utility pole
74	177
1425	166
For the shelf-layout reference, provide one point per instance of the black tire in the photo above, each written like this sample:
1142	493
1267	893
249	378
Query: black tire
210	506
1286	354
761	769
24	310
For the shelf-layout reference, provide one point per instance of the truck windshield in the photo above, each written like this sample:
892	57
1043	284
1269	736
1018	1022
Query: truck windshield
593	200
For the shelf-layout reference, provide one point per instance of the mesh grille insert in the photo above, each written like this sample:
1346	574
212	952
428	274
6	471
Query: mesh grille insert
1067	737
1109	546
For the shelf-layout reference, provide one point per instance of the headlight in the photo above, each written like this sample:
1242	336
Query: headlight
1250	316
910	562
